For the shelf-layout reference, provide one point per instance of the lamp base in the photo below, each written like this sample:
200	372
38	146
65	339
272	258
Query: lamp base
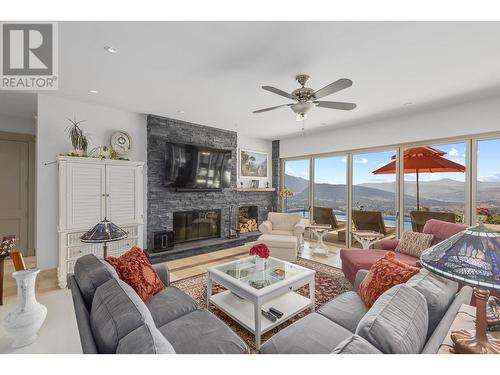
466	342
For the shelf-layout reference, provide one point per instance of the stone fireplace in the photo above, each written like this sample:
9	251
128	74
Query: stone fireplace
248	219
196	225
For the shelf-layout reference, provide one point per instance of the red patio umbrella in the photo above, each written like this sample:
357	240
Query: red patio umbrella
422	160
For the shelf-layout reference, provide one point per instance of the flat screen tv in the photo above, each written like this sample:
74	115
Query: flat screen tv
190	167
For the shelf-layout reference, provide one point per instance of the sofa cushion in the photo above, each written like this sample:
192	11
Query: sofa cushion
414	243
169	304
201	332
355	345
116	311
383	275
90	273
442	229
283	221
144	340
135	269
313	334
347	309
354	260
438	292
397	322
281	241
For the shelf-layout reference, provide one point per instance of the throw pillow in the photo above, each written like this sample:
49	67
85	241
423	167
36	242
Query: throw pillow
414	243
135	269
383	275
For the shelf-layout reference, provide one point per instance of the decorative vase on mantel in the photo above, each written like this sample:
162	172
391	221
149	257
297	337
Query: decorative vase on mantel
23	323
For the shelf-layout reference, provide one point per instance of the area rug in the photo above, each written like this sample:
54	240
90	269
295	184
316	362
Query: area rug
330	282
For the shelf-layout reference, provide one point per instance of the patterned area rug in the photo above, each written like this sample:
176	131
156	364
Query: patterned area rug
330	282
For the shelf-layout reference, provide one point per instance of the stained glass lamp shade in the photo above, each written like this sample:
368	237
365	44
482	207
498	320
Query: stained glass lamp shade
103	232
470	257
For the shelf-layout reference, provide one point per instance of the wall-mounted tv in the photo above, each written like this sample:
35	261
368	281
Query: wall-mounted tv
190	167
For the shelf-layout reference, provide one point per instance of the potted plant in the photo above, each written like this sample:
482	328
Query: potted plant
78	139
483	214
261	252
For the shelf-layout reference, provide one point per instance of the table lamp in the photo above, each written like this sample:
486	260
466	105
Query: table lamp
470	257
103	232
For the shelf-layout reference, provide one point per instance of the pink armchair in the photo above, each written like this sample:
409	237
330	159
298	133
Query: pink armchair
354	259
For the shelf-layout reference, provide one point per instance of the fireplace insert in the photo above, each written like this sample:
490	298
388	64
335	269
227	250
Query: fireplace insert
196	225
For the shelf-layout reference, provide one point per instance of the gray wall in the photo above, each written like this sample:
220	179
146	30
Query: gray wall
162	202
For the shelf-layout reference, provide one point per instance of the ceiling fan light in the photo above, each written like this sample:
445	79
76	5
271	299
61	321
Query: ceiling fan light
300	116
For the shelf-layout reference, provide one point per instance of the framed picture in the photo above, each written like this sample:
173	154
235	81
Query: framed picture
253	164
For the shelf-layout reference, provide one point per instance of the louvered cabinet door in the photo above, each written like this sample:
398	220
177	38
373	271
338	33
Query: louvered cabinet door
122	194
85	194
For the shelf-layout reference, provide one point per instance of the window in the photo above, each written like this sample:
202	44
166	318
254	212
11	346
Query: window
296	180
330	196
488	182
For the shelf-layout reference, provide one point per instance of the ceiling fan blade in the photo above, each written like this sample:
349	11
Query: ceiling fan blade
338	85
271	108
336	105
278	91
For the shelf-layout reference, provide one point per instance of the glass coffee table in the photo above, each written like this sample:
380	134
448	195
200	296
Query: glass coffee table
249	291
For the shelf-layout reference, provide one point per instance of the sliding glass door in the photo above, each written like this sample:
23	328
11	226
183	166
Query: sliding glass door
434	184
488	183
374	194
330	196
296	183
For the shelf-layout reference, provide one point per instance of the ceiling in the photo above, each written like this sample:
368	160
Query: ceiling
213	71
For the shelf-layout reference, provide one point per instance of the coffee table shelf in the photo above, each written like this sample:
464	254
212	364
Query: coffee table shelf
290	304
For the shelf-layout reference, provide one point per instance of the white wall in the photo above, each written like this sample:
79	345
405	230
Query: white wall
52	140
17	125
256	144
473	117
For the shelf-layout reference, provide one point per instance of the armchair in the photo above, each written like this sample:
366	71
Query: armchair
282	233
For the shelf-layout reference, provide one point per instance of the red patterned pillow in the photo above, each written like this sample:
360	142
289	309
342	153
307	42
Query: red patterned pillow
135	269
383	275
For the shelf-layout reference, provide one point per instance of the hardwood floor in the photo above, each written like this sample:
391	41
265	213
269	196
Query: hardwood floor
179	269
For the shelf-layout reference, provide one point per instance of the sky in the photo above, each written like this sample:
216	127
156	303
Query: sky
332	169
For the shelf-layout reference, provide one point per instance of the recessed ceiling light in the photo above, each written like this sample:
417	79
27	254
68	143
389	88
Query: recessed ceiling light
181	111
111	49
409	103
92	91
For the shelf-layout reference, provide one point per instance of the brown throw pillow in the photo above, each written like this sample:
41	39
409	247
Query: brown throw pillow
384	274
134	268
414	243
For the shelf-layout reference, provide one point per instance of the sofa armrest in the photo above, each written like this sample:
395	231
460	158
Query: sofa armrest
266	226
360	276
163	273
387	244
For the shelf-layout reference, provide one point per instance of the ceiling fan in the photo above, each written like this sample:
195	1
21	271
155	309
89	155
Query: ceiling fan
306	98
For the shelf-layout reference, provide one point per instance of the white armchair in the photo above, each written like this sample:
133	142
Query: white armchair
283	234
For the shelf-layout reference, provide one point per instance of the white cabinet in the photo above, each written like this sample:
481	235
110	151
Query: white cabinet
89	191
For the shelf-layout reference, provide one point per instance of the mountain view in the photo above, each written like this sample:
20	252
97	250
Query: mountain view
439	195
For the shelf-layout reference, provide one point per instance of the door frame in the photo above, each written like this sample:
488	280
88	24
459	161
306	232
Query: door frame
30	139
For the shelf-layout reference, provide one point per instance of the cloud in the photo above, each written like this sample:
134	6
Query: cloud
361	161
454	152
495	177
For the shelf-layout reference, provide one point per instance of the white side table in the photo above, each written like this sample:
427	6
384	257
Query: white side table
367	237
58	334
319	231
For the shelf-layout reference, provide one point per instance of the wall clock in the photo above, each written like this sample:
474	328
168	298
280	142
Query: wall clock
121	142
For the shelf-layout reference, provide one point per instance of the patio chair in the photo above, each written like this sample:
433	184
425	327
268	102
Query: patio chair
326	215
369	220
419	218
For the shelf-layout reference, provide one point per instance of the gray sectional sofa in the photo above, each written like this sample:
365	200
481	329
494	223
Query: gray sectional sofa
409	318
112	318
